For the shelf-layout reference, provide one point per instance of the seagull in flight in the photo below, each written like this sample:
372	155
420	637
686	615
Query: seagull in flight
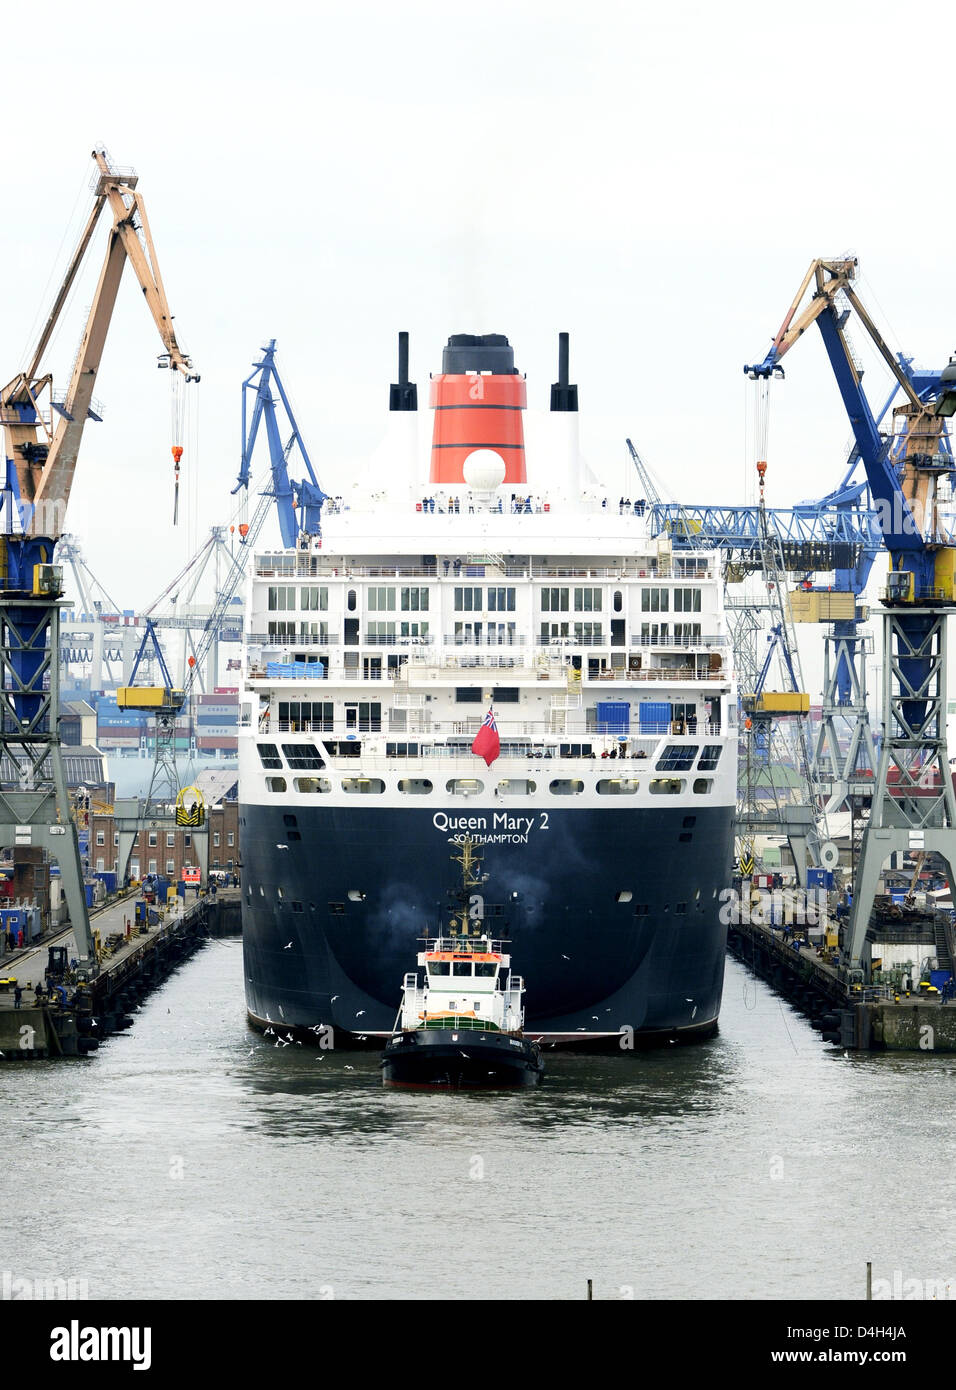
269	1031
333	999
288	948
360	1013
564	957
349	1068
282	846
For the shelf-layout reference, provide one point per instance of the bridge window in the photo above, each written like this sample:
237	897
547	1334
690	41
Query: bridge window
302	755
677	757
269	755
710	757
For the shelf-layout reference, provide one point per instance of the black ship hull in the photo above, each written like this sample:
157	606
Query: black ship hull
615	914
450	1059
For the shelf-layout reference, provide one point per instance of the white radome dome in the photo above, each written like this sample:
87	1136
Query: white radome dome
484	470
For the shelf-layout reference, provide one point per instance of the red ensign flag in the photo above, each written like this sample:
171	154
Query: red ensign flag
487	744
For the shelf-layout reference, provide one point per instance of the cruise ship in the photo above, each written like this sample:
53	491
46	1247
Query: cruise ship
482	587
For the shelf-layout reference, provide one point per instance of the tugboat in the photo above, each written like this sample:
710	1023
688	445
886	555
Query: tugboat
462	1028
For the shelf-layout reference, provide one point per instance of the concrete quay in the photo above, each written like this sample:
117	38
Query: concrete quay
135	959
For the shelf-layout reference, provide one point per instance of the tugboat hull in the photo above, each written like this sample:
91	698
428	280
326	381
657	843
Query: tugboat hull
440	1059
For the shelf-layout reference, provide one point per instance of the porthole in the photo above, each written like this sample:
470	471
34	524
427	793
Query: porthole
312	784
363	786
566	786
276	784
617	786
666	786
703	785
415	786
464	786
517	786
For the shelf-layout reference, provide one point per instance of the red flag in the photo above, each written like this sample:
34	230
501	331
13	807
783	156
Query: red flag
487	744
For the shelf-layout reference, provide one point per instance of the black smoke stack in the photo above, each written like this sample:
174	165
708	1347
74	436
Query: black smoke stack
564	396
403	394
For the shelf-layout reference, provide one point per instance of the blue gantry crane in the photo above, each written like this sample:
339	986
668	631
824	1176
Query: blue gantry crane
299	509
913	801
298	504
838	536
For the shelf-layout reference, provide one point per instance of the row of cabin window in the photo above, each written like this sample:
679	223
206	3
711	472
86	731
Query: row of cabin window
283	598
483	968
153	840
674	757
658	600
473	786
592	633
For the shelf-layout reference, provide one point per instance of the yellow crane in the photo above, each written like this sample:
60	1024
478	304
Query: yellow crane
44	457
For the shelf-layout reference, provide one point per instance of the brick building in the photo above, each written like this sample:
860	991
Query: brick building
167	849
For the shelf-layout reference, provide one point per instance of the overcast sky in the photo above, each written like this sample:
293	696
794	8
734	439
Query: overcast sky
653	179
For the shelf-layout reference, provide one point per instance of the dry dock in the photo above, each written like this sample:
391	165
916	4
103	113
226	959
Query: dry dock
872	1019
74	1020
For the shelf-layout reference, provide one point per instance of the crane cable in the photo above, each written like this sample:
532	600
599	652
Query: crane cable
178	422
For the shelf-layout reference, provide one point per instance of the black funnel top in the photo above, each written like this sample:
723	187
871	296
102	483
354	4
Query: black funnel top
478	352
403	394
564	396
